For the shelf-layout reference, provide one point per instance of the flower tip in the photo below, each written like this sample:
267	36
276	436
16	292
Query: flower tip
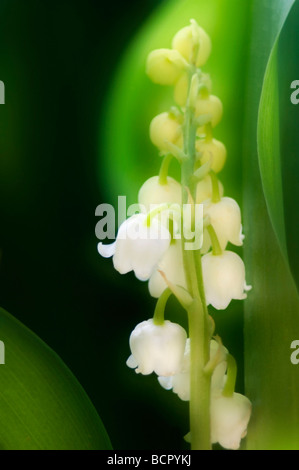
106	250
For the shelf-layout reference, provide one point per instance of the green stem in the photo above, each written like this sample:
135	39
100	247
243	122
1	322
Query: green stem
217	251
199	406
158	317
164	169
215	188
230	383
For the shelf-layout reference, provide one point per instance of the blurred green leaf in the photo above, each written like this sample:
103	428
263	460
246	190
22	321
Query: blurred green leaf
272	308
42	405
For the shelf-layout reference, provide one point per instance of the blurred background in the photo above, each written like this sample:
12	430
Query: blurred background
57	61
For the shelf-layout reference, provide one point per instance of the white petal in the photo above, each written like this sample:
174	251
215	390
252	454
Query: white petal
158	348
224	278
131	362
107	250
165	382
172	266
229	420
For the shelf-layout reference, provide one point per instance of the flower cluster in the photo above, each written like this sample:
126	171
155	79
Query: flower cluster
152	243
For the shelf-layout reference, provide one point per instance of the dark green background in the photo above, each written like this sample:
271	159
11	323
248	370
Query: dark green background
57	60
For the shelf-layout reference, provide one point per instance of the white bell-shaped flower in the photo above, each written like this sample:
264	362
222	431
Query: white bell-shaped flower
229	420
180	383
138	247
224	279
225	217
172	266
153	192
157	348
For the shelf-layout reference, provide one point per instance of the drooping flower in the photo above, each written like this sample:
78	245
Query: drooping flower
165	128
225	217
180	383
214	151
172	266
157	348
224	279
211	105
229	420
153	192
164	66
138	246
204	189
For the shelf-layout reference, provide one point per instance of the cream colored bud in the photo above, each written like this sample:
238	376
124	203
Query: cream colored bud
224	279
212	150
204	189
181	87
210	105
229	420
157	348
225	217
181	90
152	192
165	128
193	41
164	66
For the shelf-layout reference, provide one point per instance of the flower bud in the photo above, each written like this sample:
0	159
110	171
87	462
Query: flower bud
164	66
153	192
225	217
229	420
193	40
181	87
224	279
212	150
138	247
210	105
165	128
204	189
157	348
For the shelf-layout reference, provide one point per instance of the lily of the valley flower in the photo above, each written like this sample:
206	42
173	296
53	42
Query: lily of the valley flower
225	217
224	279
172	266
138	247
185	39
164	66
229	420
157	348
165	128
214	151
153	192
204	189
180	383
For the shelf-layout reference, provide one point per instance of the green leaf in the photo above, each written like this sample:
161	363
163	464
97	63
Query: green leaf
42	405
272	308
